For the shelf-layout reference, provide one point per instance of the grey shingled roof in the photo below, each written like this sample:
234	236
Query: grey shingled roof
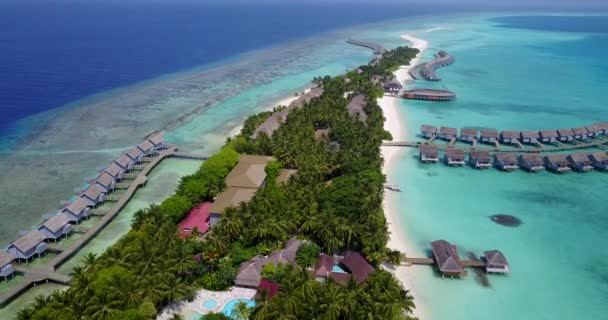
495	258
510	134
580	157
134	152
29	241
93	191
506	157
489	133
145	146
5	258
481	155
57	222
105	179
429	150
428	128
530	134
600	156
581	130
448	130
454	153
557	158
468	132
548	133
532	158
77	206
157	139
445	256
124	160
565	132
113	169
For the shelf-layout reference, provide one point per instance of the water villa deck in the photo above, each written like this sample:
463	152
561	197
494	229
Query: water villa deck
429	95
442	59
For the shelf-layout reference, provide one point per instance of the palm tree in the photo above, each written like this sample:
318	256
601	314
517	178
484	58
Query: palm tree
103	306
241	311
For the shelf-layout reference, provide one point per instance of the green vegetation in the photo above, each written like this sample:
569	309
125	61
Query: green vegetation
334	201
307	255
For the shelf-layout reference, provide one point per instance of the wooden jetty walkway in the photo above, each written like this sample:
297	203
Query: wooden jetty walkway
377	48
31	278
182	155
442	59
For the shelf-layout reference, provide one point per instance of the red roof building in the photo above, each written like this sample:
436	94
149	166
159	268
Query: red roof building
197	218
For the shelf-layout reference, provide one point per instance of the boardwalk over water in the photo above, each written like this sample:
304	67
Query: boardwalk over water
499	148
377	48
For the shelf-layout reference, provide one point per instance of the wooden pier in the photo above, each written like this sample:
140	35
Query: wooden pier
429	95
182	155
377	48
442	59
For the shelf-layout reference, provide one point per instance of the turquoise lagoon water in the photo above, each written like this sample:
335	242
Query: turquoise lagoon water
522	75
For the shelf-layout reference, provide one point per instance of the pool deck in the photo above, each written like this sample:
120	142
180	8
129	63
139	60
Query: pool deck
221	297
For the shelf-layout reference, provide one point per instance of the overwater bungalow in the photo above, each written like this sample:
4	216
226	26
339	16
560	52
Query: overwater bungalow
529	137
135	155
603	127
580	162
489	136
56	227
197	219
428	131
594	130
158	141
106	182
125	163
146	147
468	134
27	246
496	262
580	133
429	95
505	161
77	210
480	159
6	264
94	195
356	266
557	163
115	171
447	133
509	137
454	157
565	135
429	153
229	198
548	136
599	160
531	162
447	259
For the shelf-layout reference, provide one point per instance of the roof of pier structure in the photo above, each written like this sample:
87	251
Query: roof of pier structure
446	258
565	132
580	157
532	158
510	134
448	130
113	169
105	179
93	191
454	153
5	258
428	128
481	155
468	132
495	258
548	133
557	158
124	160
489	133
431	92
145	146
429	150
29	241
57	222
506	157
77	206
581	130
134	152
530	134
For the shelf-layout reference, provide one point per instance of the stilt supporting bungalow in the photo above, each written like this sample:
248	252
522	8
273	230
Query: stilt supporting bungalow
429	153
489	136
428	131
28	246
468	135
531	162
548	136
447	259
447	133
557	163
505	161
56	227
454	157
496	262
480	159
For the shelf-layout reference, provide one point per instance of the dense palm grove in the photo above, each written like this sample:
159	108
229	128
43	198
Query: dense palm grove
334	201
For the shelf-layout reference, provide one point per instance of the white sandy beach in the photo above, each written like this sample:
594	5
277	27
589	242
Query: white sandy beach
397	128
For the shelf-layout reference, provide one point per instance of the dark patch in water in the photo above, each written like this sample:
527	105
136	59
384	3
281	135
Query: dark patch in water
432	174
480	276
506	220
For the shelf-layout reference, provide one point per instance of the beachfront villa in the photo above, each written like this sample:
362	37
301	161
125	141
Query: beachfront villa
6	264
429	153
27	246
548	136
77	210
197	219
557	163
135	155
580	133
531	162
580	162
115	171
480	159
447	259
529	137
468	134
94	195
489	136
505	161
496	262
428	131
509	137
565	135
454	157
125	162
356	107
447	133
599	160
106	182
56	227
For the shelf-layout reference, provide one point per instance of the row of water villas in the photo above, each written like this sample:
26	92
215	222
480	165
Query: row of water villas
508	161
515	137
60	225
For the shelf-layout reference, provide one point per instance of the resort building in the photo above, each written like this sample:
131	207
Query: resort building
135	155
468	134
428	131
580	162
447	259
125	163
429	153
56	227
106	182
27	246
325	268
548	136
197	219
6	264
229	198
429	95
529	137
531	162
115	171
565	135
496	262
489	136
94	195
480	159
505	161
77	210
557	163
447	133
356	266
580	133
285	174
454	157
599	160
509	137
594	130
158	142
250	272
146	147
392	87
356	107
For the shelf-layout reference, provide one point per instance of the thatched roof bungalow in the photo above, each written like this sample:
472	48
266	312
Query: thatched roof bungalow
428	131
454	157
565	135
357	266
94	195
146	147
77	210
447	258
509	137
115	171
158	141
106	182
125	162
229	198
447	133
468	134
529	137
594	130
580	133
548	136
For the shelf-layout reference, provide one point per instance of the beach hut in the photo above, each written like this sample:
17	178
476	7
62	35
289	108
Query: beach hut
580	162
599	160
565	135
357	266
77	210
454	157
115	171
447	133
125	163
29	245
428	131
94	195
56	227
447	259
468	134
548	136
480	159
531	162
158	142
509	137
505	161
429	153
197	218
594	130
557	163
489	136
106	182
146	147
135	155
6	264
529	137
580	133
393	87
496	262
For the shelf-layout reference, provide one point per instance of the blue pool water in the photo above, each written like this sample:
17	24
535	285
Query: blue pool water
337	268
209	304
227	310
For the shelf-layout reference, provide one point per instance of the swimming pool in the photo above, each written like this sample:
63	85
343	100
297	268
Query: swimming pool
209	304
227	310
337	268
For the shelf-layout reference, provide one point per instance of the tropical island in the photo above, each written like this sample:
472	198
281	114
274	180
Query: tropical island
318	190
